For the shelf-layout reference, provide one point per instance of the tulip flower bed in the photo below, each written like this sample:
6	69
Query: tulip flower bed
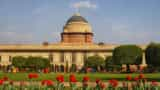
138	82
93	76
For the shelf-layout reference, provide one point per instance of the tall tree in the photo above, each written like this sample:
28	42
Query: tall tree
31	62
19	61
127	54
94	61
109	63
153	54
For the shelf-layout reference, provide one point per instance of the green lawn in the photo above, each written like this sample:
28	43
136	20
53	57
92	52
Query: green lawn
93	76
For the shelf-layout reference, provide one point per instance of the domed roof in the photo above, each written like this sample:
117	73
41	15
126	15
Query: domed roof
77	24
76	18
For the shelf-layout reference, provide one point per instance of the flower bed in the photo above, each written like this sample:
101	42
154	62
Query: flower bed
23	76
135	83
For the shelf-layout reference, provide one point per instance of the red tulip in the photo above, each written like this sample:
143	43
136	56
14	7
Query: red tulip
32	75
85	79
11	82
102	85
60	78
113	82
136	78
72	78
47	82
43	82
154	83
141	76
1	81
128	77
46	70
98	80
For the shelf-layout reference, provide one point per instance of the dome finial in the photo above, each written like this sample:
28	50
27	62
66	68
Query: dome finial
77	13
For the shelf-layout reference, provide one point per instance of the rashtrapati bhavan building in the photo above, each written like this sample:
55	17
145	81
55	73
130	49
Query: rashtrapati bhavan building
76	44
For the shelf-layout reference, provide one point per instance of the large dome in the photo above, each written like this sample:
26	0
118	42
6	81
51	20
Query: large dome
77	24
77	30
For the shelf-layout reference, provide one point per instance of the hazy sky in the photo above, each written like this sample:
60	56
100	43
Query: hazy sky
112	21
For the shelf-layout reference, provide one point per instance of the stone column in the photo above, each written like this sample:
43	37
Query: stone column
144	60
68	60
79	59
56	60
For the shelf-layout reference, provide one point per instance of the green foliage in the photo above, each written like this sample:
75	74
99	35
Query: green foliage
19	61
153	54
109	63
94	61
127	54
73	68
30	62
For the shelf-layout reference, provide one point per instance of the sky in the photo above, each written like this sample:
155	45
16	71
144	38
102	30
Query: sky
112	21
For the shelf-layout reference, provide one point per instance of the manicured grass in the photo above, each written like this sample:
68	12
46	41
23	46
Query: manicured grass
93	76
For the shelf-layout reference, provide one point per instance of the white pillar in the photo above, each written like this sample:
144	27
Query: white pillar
5	60
144	59
68	58
57	58
80	58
